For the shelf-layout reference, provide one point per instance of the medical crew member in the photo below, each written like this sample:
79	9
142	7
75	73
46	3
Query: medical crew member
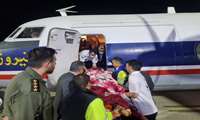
119	72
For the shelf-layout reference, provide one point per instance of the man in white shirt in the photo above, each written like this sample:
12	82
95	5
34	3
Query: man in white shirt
137	83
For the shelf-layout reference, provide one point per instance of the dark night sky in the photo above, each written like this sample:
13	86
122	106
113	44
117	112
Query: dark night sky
15	13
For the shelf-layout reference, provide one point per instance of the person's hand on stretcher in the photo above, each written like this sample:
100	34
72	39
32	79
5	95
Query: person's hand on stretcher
131	94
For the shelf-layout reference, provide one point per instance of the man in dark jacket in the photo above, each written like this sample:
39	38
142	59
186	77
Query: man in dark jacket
148	80
101	57
62	88
81	104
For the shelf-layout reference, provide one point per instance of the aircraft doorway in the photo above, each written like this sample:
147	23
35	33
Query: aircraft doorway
92	50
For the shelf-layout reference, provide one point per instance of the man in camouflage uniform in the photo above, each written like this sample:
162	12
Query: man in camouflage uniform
27	97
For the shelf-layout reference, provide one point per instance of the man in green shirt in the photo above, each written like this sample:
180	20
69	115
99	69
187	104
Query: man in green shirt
27	97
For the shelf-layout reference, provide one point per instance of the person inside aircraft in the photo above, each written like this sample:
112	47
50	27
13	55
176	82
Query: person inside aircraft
90	45
35	35
89	55
93	57
31	32
83	55
101	56
84	44
84	50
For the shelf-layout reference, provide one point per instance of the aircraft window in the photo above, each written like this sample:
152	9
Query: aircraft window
198	51
69	37
11	45
31	32
13	33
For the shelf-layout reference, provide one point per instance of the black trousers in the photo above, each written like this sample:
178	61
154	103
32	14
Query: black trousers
126	118
151	117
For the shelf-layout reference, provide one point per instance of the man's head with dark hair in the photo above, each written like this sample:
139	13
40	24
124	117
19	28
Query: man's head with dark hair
88	64
116	62
92	53
42	57
133	65
81	81
78	67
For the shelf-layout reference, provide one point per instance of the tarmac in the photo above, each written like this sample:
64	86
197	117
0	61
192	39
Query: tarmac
178	105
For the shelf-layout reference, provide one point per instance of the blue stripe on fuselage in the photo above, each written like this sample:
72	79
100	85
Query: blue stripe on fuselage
157	53
14	59
13	55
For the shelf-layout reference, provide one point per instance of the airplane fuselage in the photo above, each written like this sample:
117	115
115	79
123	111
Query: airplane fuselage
168	45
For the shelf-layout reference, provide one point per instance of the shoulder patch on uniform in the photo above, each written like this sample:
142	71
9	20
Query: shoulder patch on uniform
35	85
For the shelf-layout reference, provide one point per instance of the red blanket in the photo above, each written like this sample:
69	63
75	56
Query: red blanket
105	87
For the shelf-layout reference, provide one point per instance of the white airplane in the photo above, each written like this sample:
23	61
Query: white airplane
167	44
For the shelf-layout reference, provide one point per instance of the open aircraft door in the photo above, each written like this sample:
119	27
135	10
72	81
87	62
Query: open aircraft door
66	42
